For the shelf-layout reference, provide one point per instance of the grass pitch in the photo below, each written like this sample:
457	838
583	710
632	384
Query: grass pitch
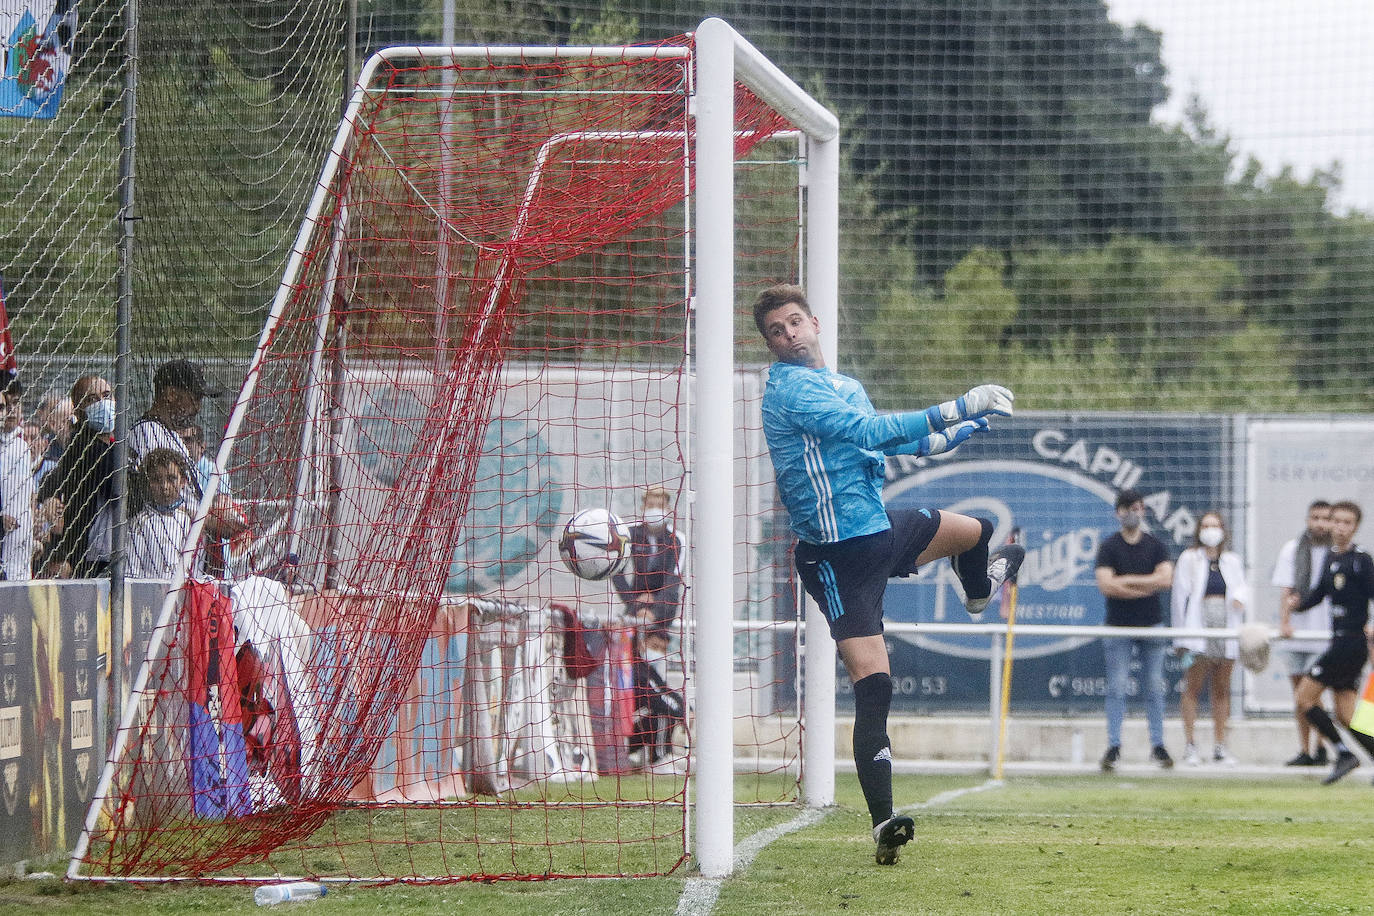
1035	845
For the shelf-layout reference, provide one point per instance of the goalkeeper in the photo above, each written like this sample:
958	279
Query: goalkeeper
827	444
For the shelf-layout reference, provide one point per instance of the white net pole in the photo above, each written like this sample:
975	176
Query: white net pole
822	281
722	58
715	473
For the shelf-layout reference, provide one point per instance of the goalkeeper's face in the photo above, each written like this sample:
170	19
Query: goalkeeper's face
794	336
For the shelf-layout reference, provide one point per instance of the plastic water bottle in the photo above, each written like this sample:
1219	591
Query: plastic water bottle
269	894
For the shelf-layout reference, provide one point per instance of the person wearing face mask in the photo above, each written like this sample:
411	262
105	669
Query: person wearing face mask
158	532
652	593
79	492
1209	591
1132	569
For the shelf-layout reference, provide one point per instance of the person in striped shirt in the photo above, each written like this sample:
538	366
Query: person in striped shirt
157	533
828	446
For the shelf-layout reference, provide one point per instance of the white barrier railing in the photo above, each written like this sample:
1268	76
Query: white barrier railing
997	634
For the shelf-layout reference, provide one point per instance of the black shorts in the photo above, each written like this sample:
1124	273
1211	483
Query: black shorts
848	578
1340	666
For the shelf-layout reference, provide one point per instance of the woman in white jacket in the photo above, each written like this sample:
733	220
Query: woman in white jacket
1209	591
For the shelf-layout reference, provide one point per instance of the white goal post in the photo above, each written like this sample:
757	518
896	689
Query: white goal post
724	57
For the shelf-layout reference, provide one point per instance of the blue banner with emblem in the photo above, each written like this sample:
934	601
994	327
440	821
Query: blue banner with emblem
35	56
1054	478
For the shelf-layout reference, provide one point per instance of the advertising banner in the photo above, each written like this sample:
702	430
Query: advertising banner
19	704
1290	464
79	669
1053	479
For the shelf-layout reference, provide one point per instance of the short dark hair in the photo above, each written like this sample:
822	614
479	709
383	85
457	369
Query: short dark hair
12	386
82	389
1319	504
1128	497
164	457
775	297
186	375
1349	506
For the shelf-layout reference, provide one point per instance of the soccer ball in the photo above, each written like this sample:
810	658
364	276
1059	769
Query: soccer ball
593	544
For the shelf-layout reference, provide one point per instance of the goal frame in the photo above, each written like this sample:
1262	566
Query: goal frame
722	58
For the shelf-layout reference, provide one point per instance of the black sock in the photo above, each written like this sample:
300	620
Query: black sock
872	754
971	566
1323	724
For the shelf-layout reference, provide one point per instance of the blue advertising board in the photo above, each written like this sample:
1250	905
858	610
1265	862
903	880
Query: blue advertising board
1055	479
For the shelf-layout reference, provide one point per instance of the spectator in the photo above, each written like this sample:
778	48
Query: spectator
218	552
55	414
827	444
16	488
1209	590
179	386
1348	580
1297	571
653	590
157	534
37	442
200	462
652	593
1132	569
78	495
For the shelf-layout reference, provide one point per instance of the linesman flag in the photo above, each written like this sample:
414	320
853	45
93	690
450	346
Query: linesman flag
9	364
1362	720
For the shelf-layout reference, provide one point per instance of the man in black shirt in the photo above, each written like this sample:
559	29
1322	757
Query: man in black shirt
1132	569
1348	581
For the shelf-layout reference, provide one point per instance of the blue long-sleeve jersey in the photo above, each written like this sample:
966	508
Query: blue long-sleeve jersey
827	444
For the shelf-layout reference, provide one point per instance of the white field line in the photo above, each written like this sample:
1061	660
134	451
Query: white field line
699	895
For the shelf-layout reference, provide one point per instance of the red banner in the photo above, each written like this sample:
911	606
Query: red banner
9	365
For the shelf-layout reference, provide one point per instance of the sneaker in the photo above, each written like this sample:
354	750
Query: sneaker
1191	757
1222	756
891	835
1110	758
1320	759
668	766
1345	762
1160	758
1303	759
1003	565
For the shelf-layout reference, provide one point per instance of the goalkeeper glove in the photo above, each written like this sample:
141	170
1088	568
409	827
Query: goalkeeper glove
978	402
951	438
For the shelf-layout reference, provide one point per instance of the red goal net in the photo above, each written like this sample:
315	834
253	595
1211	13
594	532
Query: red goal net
483	329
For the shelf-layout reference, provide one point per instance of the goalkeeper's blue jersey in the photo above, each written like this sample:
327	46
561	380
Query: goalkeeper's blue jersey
827	444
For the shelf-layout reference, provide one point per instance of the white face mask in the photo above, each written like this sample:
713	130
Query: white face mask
1211	537
101	415
655	518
